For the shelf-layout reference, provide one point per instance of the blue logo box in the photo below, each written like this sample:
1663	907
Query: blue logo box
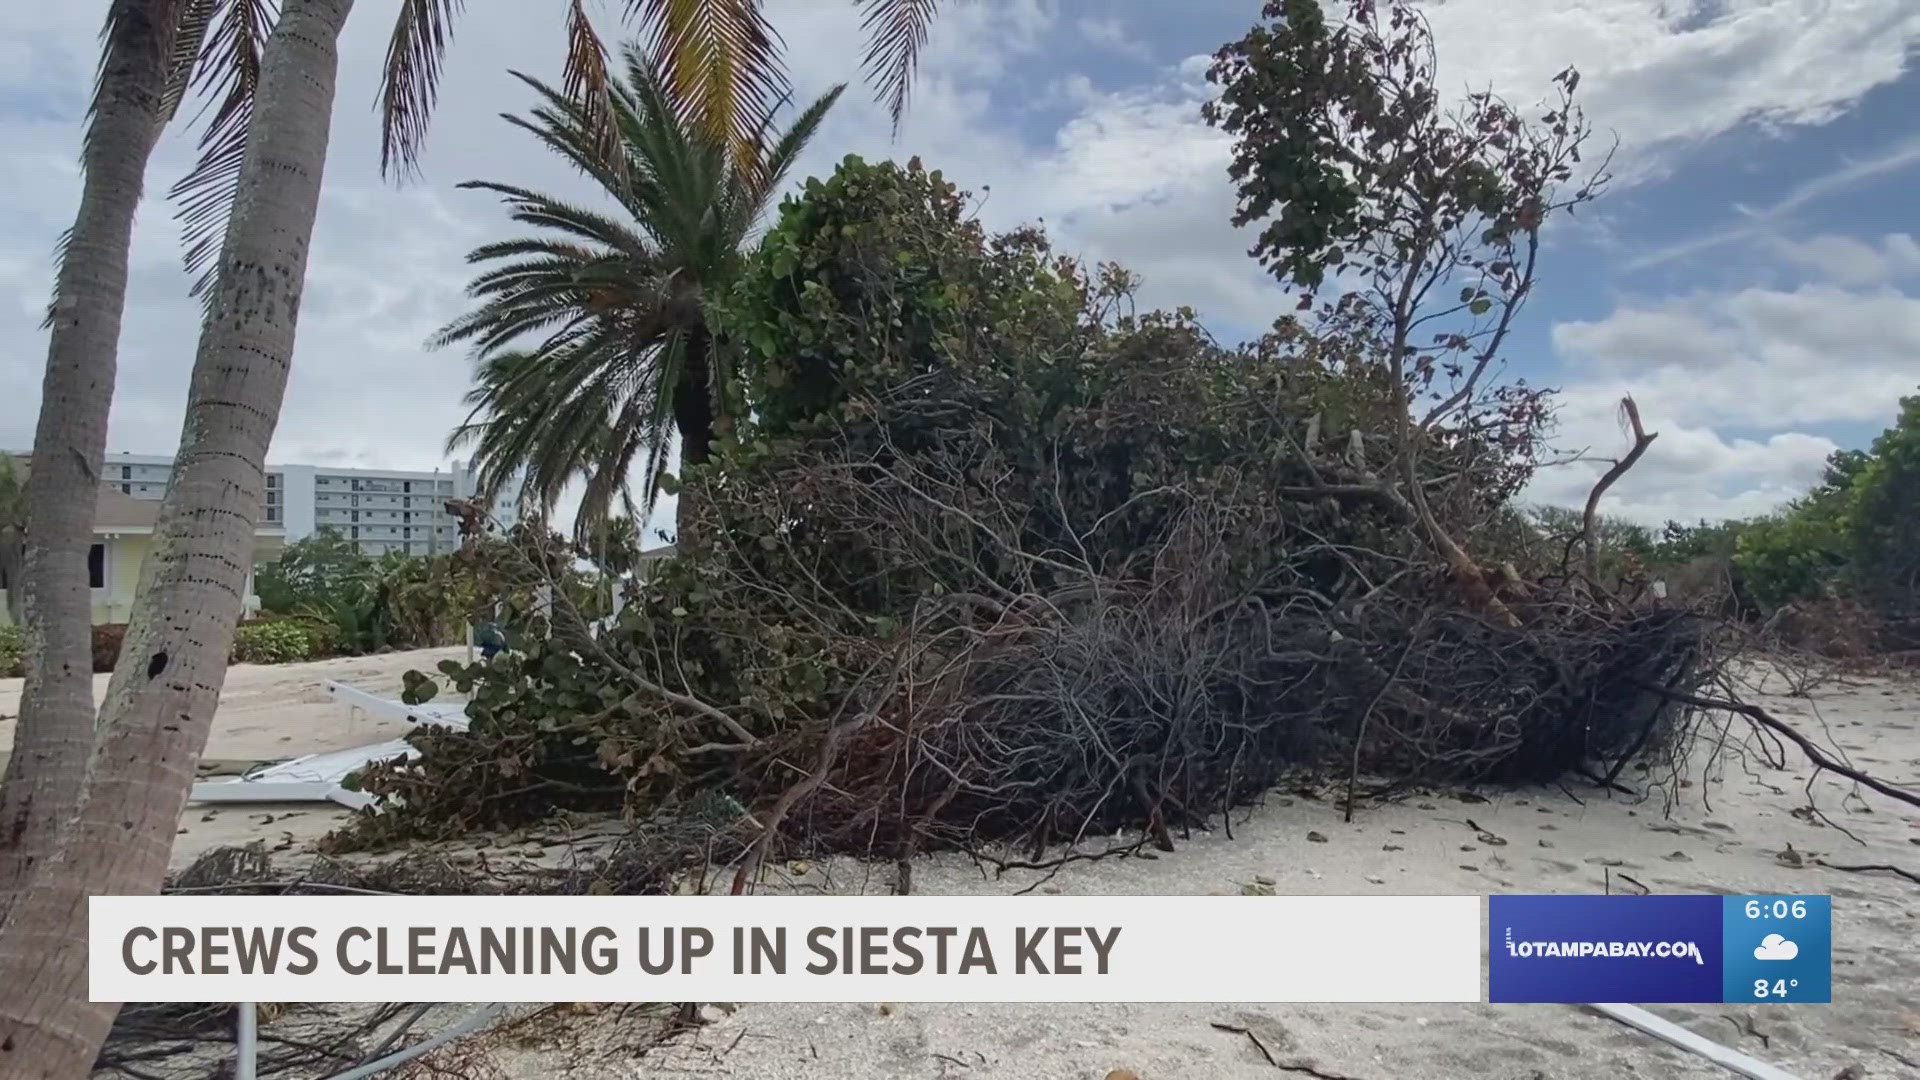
1699	949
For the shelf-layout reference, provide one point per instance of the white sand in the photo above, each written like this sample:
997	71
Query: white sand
272	711
1725	835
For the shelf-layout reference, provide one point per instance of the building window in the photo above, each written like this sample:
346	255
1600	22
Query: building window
97	566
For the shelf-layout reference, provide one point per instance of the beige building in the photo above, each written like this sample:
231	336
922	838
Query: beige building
122	536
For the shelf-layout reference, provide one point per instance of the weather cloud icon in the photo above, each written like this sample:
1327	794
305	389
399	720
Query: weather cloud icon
1775	947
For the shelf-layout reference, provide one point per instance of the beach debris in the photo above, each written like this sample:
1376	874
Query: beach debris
322	777
1744	1025
1316	837
1485	835
1874	868
1236	1029
1304	1068
1692	1042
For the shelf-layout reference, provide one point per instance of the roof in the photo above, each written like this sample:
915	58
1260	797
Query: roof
115	511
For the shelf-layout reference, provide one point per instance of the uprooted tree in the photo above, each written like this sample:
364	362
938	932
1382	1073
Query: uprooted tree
994	557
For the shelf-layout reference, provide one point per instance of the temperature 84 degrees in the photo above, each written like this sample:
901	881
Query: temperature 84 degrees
1778	988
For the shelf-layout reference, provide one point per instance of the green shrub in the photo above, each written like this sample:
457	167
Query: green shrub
323	639
1799	554
280	641
106	649
12	663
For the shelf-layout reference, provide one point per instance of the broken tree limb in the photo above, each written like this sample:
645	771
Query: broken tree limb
1589	521
1767	720
1876	868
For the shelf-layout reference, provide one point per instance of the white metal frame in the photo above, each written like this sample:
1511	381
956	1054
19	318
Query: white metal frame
317	777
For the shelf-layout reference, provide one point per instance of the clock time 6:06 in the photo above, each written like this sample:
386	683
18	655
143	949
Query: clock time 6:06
1777	909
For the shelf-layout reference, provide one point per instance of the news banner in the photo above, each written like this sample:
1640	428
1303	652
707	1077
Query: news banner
1589	949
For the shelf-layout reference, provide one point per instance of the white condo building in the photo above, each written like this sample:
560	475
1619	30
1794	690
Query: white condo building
378	510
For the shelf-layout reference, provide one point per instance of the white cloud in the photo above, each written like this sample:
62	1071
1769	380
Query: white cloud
1756	357
1663	78
1688	474
1753	360
1846	260
1111	33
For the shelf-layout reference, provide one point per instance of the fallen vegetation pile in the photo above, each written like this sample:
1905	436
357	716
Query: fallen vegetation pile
985	555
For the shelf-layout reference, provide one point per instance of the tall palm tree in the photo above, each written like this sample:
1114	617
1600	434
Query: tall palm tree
592	334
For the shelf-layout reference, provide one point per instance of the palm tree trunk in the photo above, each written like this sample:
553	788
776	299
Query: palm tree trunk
160	704
693	418
55	732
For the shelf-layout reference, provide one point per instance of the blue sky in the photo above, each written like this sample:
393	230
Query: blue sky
1752	277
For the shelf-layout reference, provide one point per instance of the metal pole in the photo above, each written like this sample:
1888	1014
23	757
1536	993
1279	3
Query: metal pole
1667	1031
246	1041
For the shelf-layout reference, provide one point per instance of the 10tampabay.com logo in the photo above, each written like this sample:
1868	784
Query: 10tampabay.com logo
1660	948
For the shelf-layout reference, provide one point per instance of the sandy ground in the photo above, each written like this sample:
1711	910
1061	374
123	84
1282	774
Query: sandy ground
1726	832
268	712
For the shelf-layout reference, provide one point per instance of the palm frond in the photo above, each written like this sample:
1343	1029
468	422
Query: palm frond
778	159
586	81
411	81
226	70
134	32
190	33
896	32
720	61
61	244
